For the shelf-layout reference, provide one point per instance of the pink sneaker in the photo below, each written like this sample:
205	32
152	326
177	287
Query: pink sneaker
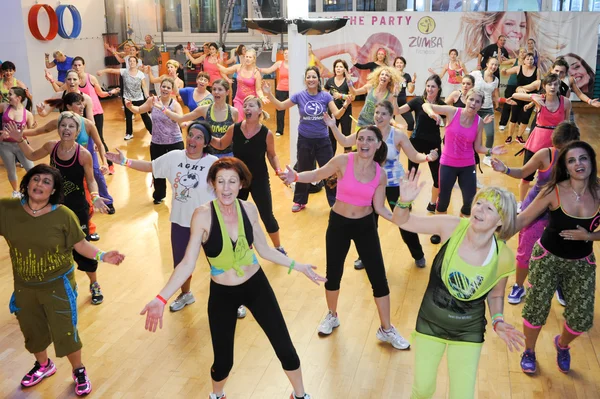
83	386
38	373
298	207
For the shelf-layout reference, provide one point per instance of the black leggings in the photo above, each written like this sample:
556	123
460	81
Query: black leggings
261	194
467	181
408	116
519	115
363	232
346	126
258	296
156	151
99	122
83	215
410	239
506	108
281	96
425	147
129	118
527	155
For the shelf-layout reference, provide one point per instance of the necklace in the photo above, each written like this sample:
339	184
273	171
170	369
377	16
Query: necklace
69	150
37	210
578	196
189	162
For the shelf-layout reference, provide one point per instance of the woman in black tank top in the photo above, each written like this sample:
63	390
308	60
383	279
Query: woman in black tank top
251	141
519	118
75	164
564	255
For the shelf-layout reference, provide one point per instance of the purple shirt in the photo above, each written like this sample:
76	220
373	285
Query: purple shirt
311	110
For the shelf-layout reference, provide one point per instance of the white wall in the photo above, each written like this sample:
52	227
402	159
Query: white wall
28	53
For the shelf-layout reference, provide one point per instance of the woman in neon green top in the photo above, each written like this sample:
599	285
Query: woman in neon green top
472	264
228	229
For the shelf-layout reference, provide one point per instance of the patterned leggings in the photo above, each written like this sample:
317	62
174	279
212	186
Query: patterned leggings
577	278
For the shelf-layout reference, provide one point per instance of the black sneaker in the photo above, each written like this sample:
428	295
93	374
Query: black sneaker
520	140
435	239
94	237
508	140
111	209
431	208
97	297
157	201
358	264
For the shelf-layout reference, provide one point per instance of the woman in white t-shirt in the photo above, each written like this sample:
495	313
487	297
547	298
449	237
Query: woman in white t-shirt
186	170
488	83
134	90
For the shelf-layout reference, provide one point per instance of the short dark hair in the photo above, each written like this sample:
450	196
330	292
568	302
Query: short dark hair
550	78
561	62
340	61
8	66
399	58
78	58
44	169
229	163
564	133
453	50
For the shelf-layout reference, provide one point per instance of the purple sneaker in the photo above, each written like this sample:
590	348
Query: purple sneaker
38	373
83	386
528	363
563	357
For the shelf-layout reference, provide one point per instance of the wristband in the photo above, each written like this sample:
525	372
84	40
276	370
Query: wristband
427	158
124	162
296	177
129	162
589	101
278	171
100	256
496	322
403	205
489	152
497	315
160	298
507	171
291	266
22	140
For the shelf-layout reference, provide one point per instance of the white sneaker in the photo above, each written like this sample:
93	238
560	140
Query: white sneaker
328	324
214	396
293	395
182	301
528	129
393	337
16	194
128	136
487	160
501	127
241	312
478	183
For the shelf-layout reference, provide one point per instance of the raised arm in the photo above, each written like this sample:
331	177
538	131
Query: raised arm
534	164
145	107
270	69
194	61
345	141
199	112
510	71
357	92
540	204
49	64
332	167
336	112
403	143
533	86
47	128
98	88
441	75
280	106
114	71
135	164
451	98
228	71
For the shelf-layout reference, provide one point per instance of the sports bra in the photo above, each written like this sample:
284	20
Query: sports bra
20	125
351	191
221	252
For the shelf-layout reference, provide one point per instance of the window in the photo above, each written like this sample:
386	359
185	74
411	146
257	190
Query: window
171	15
594	5
411	5
312	5
238	13
568	5
269	8
203	16
337	5
487	5
446	5
371	5
525	5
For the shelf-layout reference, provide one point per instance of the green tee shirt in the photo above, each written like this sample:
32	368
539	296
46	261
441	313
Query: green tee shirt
41	248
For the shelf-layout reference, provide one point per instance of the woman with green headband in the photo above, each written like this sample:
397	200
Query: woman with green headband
472	265
186	170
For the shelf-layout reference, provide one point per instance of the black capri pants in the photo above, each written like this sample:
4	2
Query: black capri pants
157	151
258	296
281	96
467	181
363	232
392	193
346	127
261	194
425	147
83	215
518	114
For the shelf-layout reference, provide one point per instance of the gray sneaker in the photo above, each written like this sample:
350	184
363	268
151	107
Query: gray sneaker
393	337
328	324
182	301
421	263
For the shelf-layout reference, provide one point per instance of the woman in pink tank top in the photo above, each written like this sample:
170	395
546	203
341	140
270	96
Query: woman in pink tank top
249	81
211	62
282	91
360	190
462	139
552	110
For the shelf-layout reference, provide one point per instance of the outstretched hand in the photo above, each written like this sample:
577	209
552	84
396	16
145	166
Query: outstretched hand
113	257
289	176
309	271
498	165
488	119
329	121
266	87
437	118
116	158
410	186
499	150
514	338
154	314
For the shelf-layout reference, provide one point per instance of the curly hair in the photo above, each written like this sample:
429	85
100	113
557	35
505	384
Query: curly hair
395	78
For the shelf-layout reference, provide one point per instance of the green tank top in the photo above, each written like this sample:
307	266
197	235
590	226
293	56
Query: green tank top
367	115
453	307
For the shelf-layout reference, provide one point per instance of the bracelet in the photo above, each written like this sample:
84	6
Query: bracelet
51	81
22	140
278	171
589	101
296	177
129	162
496	322
489	152
403	205
497	315
427	158
507	171
160	298
124	162
100	256
291	266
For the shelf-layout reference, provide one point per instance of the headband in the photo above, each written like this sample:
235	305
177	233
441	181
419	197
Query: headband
494	198
205	131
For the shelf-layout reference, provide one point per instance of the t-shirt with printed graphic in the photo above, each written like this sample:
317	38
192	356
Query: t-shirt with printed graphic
188	181
311	110
41	248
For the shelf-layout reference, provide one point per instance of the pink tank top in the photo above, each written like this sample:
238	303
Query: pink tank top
455	75
21	124
351	191
458	142
283	84
541	137
245	87
212	70
90	91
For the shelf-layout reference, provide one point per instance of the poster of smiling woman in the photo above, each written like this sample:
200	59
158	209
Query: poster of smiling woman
425	40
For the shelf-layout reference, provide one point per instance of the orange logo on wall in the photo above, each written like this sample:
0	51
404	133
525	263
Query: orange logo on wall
426	25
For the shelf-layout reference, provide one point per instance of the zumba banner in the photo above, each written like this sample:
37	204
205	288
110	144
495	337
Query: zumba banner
424	40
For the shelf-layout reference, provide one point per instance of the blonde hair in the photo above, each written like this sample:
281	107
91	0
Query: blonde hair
506	205
57	53
373	77
476	92
264	114
71	115
174	63
168	79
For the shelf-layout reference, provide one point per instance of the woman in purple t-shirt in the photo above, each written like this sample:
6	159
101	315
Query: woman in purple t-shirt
313	136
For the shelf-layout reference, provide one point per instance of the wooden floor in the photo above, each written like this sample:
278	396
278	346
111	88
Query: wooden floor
123	360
